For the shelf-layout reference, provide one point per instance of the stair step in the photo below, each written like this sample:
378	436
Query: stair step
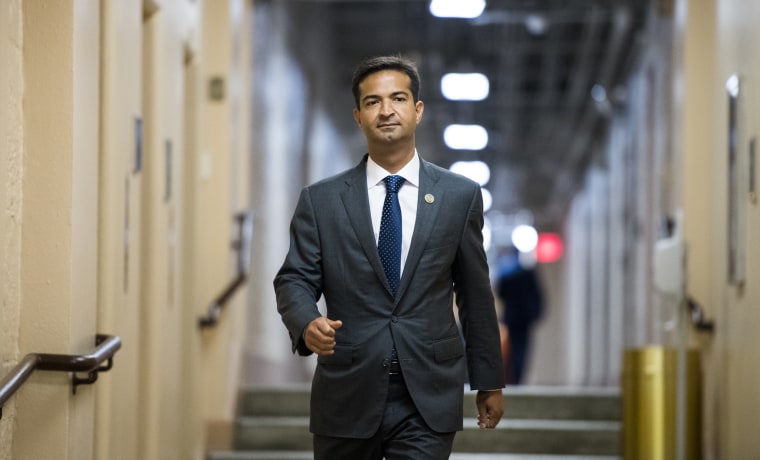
560	403
565	437
555	437
307	455
272	433
272	401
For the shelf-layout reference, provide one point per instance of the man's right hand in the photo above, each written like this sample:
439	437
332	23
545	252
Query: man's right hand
319	335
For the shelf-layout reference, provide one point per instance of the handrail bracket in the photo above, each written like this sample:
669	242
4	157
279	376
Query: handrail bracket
698	318
92	376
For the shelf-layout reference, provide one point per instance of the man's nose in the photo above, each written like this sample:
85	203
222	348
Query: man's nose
386	108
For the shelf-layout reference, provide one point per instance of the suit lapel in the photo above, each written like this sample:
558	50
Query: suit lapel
356	203
429	199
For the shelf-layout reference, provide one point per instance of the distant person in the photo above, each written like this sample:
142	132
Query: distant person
390	244
519	290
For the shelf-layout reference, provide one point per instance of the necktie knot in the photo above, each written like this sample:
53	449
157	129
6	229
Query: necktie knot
393	183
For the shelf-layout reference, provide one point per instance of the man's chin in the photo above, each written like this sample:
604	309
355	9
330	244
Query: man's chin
389	138
386	137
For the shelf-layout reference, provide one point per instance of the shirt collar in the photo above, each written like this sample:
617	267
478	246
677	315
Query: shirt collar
410	172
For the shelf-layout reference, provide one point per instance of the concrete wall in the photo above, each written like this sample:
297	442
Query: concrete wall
92	242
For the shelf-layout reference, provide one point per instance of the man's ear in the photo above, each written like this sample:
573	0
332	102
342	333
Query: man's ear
357	118
419	107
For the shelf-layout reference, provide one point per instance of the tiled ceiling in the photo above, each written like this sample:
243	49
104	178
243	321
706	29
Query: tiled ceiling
542	121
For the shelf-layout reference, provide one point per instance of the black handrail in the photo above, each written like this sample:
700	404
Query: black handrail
243	247
106	347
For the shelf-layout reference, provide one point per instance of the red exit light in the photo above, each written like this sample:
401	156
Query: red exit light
548	248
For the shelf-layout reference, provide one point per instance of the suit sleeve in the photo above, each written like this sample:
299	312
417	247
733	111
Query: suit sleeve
475	301
298	283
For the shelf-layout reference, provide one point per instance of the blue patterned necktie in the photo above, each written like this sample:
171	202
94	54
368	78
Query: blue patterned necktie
389	241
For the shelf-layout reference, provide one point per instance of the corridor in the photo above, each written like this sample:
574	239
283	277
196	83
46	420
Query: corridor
152	154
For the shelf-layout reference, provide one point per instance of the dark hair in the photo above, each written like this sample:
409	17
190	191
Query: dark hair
379	63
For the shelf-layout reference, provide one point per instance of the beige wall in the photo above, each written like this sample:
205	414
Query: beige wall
58	254
214	180
119	223
699	184
738	315
89	244
721	39
11	167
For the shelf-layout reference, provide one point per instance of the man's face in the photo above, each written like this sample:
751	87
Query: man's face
387	112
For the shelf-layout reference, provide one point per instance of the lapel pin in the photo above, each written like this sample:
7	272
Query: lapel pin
429	198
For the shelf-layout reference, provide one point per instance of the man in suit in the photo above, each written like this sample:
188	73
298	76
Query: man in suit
391	362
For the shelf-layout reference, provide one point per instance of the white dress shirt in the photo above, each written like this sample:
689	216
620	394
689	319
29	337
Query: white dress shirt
407	198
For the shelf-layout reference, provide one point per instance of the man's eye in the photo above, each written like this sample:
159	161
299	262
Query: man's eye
369	103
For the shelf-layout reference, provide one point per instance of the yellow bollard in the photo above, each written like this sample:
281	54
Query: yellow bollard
649	389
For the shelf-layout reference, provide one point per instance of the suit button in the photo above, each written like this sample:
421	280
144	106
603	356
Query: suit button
394	319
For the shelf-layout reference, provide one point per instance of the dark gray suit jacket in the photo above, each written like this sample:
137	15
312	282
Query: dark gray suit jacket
333	252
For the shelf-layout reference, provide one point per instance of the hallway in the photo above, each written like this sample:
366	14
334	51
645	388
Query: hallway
152	153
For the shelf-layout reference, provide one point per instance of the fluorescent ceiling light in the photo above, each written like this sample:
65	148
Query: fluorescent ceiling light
475	170
465	86
536	24
598	93
466	9
465	137
525	238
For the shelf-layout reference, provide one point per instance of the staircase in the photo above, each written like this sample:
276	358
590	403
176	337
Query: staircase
540	423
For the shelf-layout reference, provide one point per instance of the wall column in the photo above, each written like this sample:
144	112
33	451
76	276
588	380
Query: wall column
59	226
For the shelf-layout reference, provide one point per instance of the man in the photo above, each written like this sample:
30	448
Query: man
391	364
519	290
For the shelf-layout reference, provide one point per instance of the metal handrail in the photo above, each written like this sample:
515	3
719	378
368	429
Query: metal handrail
698	319
243	247
106	347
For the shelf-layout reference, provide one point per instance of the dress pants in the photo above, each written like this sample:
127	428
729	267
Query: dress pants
403	434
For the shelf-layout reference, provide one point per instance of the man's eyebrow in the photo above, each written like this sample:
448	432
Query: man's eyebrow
393	94
370	96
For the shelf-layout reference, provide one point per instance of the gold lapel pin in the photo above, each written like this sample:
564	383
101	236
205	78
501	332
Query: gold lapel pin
429	198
